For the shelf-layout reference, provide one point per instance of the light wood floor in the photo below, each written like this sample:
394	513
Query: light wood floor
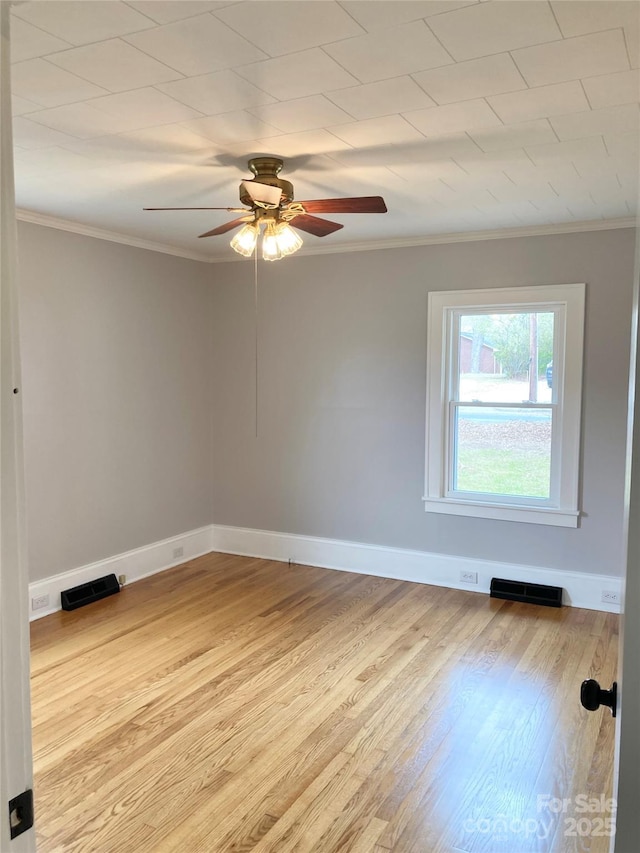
234	704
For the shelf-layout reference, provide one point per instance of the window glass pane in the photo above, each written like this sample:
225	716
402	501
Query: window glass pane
495	354
503	451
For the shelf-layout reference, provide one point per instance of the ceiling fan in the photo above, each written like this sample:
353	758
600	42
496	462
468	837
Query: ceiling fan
269	204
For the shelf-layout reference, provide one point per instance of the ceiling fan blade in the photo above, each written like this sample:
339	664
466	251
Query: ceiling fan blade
230	209
314	225
263	192
228	226
361	204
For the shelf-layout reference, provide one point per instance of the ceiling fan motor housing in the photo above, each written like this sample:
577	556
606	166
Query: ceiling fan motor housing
266	171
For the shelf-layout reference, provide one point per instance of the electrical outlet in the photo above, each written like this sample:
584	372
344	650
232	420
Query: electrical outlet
178	552
40	602
468	577
610	597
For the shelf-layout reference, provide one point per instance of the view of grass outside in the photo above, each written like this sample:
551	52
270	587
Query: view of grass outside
495	472
502	450
507	457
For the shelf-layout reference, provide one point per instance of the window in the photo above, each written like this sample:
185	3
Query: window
504	378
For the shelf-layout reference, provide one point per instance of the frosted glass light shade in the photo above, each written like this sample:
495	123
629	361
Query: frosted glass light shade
288	239
244	241
271	250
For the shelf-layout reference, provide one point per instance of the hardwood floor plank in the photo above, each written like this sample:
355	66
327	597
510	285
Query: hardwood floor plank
365	841
234	705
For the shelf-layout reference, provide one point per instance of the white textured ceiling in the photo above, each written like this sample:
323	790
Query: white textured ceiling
466	116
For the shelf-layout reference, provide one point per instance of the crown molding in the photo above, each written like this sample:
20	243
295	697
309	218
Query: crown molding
333	248
475	236
102	234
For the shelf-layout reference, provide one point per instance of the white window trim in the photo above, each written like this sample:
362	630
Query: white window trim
561	510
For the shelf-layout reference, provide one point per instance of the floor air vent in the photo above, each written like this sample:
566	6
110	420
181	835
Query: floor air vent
77	596
531	593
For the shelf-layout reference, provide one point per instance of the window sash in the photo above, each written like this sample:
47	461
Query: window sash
453	342
451	452
453	316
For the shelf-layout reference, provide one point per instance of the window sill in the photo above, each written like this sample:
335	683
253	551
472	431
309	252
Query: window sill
504	512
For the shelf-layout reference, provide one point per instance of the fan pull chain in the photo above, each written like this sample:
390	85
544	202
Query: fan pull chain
255	323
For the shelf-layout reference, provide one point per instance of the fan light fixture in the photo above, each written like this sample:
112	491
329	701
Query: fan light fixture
268	201
278	241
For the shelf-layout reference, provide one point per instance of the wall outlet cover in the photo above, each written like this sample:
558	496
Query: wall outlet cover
609	596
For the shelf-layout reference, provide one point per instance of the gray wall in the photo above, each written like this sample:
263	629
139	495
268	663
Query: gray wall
139	392
342	348
116	356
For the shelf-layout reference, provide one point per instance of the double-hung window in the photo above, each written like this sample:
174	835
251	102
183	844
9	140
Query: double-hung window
504	382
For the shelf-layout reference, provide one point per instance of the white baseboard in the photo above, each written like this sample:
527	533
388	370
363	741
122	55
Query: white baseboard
580	590
136	564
